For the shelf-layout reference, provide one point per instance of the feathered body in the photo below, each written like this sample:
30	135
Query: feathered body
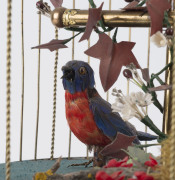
81	120
89	116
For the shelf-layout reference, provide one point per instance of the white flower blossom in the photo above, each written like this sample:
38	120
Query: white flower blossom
159	39
128	106
141	99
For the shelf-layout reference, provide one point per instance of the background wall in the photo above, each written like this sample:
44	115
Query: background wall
139	35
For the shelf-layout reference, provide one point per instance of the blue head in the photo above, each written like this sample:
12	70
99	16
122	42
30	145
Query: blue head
77	76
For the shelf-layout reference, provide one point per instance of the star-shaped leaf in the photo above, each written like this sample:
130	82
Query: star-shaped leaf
56	3
93	18
113	56
156	9
114	149
52	45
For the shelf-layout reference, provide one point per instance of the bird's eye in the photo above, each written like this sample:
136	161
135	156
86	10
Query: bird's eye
82	70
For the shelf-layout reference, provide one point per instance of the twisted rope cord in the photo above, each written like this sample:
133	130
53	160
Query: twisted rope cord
54	98
172	132
8	76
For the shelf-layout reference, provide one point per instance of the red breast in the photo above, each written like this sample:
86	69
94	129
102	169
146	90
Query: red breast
81	120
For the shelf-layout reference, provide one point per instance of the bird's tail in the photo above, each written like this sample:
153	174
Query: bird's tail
143	136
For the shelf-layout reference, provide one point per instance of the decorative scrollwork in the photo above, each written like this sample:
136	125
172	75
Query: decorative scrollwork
67	21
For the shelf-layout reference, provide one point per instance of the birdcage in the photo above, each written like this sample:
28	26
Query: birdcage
36	129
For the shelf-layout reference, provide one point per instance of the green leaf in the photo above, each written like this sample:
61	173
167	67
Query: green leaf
165	20
138	154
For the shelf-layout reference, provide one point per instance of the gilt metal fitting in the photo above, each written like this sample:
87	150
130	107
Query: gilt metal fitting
62	17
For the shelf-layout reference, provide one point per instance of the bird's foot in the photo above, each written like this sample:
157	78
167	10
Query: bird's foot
86	164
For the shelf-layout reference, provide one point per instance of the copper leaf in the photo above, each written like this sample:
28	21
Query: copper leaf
156	9
93	18
120	142
56	3
113	56
52	45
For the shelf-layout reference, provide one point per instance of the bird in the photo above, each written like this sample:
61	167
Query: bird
89	116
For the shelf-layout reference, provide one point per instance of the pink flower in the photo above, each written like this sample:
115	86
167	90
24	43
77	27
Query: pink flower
101	175
151	163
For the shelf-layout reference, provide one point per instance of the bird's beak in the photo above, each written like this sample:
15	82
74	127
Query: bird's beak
68	73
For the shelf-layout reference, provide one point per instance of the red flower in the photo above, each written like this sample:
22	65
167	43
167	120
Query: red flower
115	163
152	162
141	176
101	175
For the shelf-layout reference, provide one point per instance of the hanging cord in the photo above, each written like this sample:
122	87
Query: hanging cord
54	98
8	85
22	95
38	89
172	132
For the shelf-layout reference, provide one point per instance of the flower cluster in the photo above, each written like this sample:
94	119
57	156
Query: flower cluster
129	106
122	163
151	163
101	175
140	175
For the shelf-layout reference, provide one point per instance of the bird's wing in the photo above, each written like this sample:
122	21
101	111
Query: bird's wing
107	121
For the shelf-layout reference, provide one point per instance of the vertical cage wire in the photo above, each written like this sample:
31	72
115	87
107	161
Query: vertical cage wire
73	51
38	88
54	98
8	86
109	34
148	63
128	83
89	43
22	94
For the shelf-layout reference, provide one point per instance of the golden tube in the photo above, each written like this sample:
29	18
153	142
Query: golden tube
167	100
112	18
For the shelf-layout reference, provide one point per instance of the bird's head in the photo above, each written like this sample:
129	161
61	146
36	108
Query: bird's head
77	76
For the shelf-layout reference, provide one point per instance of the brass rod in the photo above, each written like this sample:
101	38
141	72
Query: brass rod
8	87
109	34
127	90
22	95
38	89
89	43
148	63
73	51
112	18
69	150
54	98
128	82
167	100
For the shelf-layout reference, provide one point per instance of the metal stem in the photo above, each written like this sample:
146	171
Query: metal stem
22	94
38	90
